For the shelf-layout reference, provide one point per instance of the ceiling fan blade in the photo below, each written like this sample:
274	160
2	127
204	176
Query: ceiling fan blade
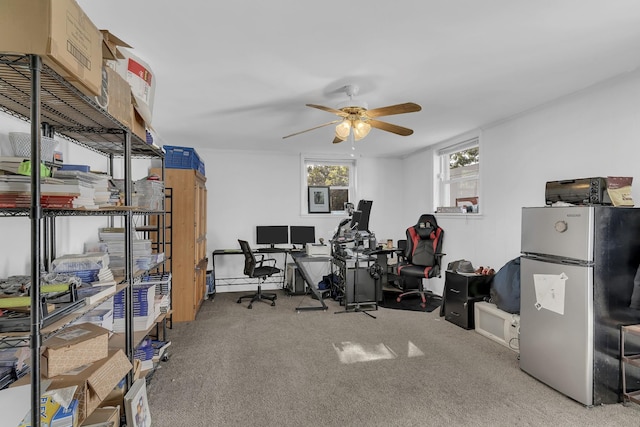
328	109
407	107
313	128
390	127
337	140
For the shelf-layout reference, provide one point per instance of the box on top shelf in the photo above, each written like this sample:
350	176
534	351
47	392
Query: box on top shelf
110	46
183	158
138	125
60	32
115	96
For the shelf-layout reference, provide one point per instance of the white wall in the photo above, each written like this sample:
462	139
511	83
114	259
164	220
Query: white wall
246	189
592	133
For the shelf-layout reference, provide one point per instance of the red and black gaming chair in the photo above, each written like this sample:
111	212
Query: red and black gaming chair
422	258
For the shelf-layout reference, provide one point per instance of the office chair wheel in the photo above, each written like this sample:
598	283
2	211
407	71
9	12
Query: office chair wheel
250	307
239	300
273	304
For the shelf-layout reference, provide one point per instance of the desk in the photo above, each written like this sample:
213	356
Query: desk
277	278
302	259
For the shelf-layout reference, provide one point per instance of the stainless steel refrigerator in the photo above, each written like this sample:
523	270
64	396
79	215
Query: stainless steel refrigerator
577	277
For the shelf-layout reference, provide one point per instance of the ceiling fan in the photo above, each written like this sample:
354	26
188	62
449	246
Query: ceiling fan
357	120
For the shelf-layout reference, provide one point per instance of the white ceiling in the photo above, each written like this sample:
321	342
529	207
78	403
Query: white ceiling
237	74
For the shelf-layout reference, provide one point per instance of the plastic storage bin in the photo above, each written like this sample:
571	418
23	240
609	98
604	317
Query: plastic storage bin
182	158
21	144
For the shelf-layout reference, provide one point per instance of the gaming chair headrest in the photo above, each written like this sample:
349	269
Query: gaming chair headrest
426	226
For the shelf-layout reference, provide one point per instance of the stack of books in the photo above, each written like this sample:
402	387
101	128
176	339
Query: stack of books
15	192
94	272
13	365
160	350
144	353
112	241
102	317
99	182
145	311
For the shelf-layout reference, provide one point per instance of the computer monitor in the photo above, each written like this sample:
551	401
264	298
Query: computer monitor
272	235
356	218
364	206
302	234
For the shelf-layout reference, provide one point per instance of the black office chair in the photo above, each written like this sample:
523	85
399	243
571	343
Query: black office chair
256	269
421	258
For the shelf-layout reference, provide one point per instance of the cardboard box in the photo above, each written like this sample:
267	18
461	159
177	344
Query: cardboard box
110	46
76	346
138	126
58	31
115	398
115	96
95	382
103	417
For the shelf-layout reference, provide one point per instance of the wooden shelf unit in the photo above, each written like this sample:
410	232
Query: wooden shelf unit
188	222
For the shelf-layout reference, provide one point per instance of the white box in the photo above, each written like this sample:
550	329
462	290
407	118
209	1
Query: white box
314	249
498	325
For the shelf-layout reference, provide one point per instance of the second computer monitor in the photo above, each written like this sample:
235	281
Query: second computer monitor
302	234
364	207
356	218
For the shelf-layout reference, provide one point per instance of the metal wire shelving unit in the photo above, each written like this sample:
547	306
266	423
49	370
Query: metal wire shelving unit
33	92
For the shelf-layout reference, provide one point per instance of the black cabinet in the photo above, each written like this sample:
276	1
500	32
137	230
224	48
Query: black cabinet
461	291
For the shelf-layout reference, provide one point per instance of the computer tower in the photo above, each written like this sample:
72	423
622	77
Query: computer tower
360	287
295	282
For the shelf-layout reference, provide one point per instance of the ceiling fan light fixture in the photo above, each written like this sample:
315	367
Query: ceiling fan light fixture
343	129
360	129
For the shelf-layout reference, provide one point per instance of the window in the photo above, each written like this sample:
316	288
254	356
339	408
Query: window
458	177
338	175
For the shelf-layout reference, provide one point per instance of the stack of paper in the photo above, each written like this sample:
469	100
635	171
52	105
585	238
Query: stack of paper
98	182
99	317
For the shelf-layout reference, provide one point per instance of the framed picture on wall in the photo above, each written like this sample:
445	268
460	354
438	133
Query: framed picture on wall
319	199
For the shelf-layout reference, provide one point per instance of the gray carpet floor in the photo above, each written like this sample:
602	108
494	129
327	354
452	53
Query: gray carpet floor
273	366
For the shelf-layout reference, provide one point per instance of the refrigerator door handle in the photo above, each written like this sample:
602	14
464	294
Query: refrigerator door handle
556	260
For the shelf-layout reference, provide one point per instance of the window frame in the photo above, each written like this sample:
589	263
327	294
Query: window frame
441	178
306	160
